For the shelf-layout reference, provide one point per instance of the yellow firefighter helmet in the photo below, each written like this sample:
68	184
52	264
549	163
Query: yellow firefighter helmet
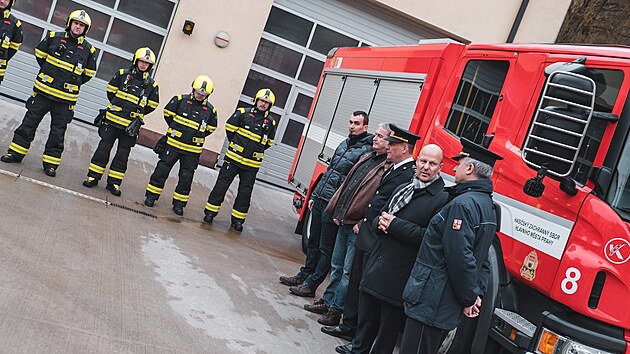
266	95
144	54
81	16
204	84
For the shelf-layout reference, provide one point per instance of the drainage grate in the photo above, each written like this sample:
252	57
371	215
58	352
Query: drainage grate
132	210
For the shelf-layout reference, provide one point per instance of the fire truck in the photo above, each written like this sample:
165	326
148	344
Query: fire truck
559	265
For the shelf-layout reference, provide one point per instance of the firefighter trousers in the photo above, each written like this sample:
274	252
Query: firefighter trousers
109	134
188	163
37	106
247	178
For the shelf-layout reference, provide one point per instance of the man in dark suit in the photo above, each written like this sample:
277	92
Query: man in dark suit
399	231
448	278
399	152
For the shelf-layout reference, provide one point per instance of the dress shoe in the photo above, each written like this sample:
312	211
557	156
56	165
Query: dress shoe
114	189
237	225
330	318
9	158
302	290
208	218
50	171
318	307
344	348
336	331
150	202
178	210
291	281
90	182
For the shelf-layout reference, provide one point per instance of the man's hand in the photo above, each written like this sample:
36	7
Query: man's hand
473	311
384	221
310	204
337	222
356	227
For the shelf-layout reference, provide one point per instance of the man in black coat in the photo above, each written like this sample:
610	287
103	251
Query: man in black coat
399	231
448	278
400	154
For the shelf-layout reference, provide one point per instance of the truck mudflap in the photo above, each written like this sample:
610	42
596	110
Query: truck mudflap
518	335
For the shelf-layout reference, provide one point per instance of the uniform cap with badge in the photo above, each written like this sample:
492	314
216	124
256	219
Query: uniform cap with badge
478	152
400	135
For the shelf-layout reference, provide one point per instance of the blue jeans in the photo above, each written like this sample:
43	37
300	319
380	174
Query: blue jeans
341	263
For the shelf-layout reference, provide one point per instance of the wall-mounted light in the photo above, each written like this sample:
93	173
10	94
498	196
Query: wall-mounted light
188	27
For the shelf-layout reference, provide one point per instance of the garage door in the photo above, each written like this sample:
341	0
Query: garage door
119	27
291	55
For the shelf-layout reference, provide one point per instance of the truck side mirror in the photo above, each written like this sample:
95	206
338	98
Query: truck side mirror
602	179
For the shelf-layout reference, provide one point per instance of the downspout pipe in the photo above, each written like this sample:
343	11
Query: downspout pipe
517	21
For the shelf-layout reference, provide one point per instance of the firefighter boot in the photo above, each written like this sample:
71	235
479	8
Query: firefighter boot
150	202
208	218
178	209
237	225
50	171
90	182
10	158
114	189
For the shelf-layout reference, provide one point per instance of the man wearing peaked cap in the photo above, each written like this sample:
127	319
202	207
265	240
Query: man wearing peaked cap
453	250
399	135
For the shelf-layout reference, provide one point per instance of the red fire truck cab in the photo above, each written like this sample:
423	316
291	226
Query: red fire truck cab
560	270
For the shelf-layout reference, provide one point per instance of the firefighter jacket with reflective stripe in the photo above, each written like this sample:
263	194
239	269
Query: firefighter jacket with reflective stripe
189	123
11	37
249	132
131	94
65	63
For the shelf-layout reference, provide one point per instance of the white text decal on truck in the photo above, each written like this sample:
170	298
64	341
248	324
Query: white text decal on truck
541	230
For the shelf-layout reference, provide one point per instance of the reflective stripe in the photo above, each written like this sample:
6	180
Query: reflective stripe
242	160
152	104
153	189
269	142
211	128
198	140
72	97
71	87
40	54
231	128
116	174
186	122
45	77
237	214
213	208
60	63
116	119
112	88
15	45
182	146
251	136
180	197
236	147
17	148
174	132
89	72
127	97
168	113
51	159
258	155
2	72
97	169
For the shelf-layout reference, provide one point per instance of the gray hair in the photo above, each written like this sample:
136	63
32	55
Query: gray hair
385	126
482	169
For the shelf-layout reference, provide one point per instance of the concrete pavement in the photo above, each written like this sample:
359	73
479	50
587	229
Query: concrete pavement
84	271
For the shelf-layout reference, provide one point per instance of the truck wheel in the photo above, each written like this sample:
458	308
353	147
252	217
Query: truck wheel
306	229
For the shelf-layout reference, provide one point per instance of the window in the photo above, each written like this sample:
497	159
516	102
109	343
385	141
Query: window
36	8
256	81
288	26
311	70
302	105
157	12
110	63
99	19
325	39
32	37
476	98
277	58
130	37
293	133
109	3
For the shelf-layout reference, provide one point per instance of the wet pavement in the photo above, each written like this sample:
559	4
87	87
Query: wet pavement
84	271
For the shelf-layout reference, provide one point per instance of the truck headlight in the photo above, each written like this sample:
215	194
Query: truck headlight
552	343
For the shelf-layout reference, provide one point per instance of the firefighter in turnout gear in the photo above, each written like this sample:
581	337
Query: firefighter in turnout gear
190	118
249	132
132	94
67	61
11	35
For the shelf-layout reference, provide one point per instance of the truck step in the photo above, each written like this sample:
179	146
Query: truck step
517	321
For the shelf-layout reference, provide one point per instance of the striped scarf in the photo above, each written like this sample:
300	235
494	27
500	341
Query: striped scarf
404	195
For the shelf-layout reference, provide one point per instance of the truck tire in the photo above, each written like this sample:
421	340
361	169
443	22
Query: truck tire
306	229
462	339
